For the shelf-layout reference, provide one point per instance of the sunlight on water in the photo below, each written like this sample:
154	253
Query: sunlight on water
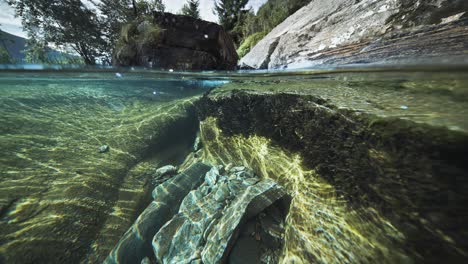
320	226
60	192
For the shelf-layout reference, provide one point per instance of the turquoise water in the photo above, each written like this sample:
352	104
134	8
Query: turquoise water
62	199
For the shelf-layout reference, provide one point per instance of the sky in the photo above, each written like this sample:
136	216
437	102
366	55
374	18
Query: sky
12	24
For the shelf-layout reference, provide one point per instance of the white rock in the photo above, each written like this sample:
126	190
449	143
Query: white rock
168	169
211	177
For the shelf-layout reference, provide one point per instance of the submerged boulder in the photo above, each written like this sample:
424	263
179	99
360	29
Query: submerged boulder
369	31
135	245
227	217
208	215
175	42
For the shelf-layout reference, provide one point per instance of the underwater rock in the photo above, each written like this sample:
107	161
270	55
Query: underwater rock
104	149
197	145
204	229
162	174
211	177
146	261
165	170
404	173
334	32
248	204
182	43
135	244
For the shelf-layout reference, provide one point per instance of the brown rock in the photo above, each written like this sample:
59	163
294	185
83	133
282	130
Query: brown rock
183	43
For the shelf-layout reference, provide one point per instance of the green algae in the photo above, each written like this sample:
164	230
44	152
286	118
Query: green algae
375	161
400	170
57	189
321	226
438	99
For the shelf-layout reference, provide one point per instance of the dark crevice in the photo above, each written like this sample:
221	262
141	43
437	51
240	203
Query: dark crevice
5	209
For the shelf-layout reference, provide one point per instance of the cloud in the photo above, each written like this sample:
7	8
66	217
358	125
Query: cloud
9	22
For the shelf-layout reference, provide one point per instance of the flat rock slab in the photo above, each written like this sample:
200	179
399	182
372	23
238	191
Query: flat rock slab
378	31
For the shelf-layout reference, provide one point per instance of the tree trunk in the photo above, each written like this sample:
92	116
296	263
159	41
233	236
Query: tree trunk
83	51
135	10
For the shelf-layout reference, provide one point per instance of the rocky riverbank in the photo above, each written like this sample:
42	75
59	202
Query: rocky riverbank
338	32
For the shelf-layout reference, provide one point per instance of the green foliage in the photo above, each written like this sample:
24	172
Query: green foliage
4	56
36	52
191	8
71	24
151	36
271	14
229	12
250	42
64	23
117	13
148	7
136	36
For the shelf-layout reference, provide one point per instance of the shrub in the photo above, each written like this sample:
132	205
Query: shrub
134	37
250	42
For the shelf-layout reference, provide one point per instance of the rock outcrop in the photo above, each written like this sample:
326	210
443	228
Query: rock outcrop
176	42
331	32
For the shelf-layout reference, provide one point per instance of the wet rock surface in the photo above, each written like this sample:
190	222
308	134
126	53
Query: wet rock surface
341	32
208	215
135	245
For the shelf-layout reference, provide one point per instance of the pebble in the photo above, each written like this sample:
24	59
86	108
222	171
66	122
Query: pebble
168	169
211	177
104	149
404	107
118	75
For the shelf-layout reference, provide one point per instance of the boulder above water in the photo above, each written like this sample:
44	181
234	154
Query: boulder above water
337	32
175	42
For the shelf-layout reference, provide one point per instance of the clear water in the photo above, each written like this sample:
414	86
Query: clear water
58	191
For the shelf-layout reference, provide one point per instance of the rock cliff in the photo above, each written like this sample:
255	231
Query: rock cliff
176	42
332	32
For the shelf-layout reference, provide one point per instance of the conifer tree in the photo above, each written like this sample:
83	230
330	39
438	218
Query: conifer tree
229	12
191	8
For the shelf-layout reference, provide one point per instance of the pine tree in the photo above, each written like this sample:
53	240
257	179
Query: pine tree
229	12
191	8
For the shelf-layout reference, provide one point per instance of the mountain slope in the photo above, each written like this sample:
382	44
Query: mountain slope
14	45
